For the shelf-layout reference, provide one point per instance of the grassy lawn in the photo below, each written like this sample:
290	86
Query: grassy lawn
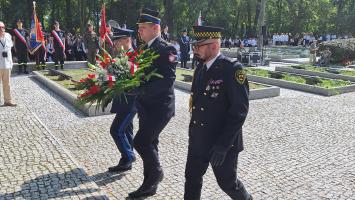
77	74
324	83
324	69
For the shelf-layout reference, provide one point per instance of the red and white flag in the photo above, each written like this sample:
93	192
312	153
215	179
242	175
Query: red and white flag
199	20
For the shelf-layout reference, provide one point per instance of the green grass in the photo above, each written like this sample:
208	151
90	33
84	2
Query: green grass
323	69
295	79
347	72
77	74
325	83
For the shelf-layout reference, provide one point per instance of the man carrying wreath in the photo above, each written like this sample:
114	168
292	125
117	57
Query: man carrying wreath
155	101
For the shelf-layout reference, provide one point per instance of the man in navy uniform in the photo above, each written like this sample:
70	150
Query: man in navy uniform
21	41
124	106
219	105
155	102
184	43
59	45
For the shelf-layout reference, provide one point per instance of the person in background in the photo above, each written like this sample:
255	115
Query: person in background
21	42
165	35
91	41
184	43
6	64
313	52
50	49
59	46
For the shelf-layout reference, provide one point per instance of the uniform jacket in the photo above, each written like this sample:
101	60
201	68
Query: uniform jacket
19	45
184	43
91	41
219	107
123	104
158	93
56	44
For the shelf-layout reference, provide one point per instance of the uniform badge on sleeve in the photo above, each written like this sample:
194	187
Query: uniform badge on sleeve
240	76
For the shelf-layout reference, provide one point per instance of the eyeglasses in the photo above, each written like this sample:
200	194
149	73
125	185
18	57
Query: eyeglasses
2	27
196	46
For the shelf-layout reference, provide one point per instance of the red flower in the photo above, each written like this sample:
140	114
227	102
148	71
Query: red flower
111	84
129	54
103	65
82	80
91	76
132	59
94	89
113	60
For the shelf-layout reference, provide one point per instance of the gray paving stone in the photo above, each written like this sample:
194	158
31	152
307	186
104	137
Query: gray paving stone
297	146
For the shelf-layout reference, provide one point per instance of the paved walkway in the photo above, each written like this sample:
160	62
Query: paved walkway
297	146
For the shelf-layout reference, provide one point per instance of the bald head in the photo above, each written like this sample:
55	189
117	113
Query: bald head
2	28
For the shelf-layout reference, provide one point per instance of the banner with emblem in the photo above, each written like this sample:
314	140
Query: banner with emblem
36	35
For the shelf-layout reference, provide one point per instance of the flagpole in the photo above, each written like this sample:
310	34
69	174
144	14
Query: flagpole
34	6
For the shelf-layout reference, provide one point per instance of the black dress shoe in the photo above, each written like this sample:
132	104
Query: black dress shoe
148	188
122	166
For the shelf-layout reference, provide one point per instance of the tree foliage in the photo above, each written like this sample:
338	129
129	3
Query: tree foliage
238	17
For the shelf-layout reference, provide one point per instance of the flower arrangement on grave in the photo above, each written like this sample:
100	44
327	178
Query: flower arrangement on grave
116	76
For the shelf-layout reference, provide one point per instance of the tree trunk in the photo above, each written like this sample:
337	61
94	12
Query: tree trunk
256	19
261	22
69	15
168	16
249	18
237	24
279	15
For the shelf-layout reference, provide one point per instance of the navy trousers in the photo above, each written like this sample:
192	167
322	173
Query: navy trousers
146	143
122	133
226	176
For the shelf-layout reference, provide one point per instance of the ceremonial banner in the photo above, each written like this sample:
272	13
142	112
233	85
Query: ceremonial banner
36	35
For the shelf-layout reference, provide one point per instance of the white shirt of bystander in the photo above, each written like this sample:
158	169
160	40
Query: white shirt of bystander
5	49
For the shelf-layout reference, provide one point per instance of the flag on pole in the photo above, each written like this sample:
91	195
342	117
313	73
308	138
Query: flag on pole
199	20
108	39
103	30
104	33
36	35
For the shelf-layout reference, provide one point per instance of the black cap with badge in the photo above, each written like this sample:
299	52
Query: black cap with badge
201	33
121	33
149	16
